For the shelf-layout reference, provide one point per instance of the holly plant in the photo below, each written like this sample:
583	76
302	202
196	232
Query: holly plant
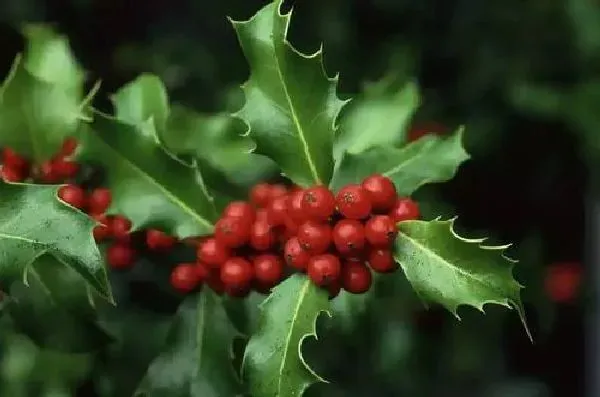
91	195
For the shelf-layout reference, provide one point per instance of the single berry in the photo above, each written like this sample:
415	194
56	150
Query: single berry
356	277
324	269
260	195
12	159
353	202
47	172
232	232
404	209
314	237
262	236
120	256
239	209
65	168
380	231
318	203
295	256
348	236
10	174
121	227
68	147
102	231
157	240
99	200
184	277
72	195
237	273
381	260
277	190
381	192
294	206
212	252
277	210
268	270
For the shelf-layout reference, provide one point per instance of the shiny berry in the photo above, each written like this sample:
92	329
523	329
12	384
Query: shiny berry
356	277
10	174
324	269
260	195
184	277
268	270
348	236
72	195
232	232
157	240
380	231
295	256
65	168
121	227
277	210
102	231
294	206
381	260
212	252
381	192
68	147
237	273
278	190
99	200
314	237
240	209
120	256
353	202
262	236
404	209
318	203
12	159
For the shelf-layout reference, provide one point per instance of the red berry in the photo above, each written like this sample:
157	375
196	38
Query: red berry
277	190
102	231
356	277
99	200
240	209
262	215
232	232
419	130
12	159
277	210
260	195
68	147
268	270
184	277
65	168
237	273
381	192
404	209
295	256
121	227
262	236
314	237
380	231
10	174
120	256
294	206
157	240
324	269
381	260
72	195
353	202
212	252
349	236
563	281
47	173
318	203
203	271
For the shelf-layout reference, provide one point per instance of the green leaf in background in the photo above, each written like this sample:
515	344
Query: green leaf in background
197	358
379	117
41	100
273	364
33	222
430	159
291	105
451	270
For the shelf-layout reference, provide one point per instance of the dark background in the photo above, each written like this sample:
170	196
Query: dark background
524	78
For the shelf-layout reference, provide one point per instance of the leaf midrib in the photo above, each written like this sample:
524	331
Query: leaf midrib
405	163
200	333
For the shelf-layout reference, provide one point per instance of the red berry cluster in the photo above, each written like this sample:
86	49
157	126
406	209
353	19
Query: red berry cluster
330	237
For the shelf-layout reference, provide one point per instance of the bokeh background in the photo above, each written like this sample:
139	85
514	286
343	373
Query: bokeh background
524	77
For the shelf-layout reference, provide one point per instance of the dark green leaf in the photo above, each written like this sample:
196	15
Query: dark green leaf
291	105
428	160
196	361
273	363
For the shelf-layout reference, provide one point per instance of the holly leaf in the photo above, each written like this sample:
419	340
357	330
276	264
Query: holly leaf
33	223
273	364
430	159
451	270
291	105
197	359
379	117
41	99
